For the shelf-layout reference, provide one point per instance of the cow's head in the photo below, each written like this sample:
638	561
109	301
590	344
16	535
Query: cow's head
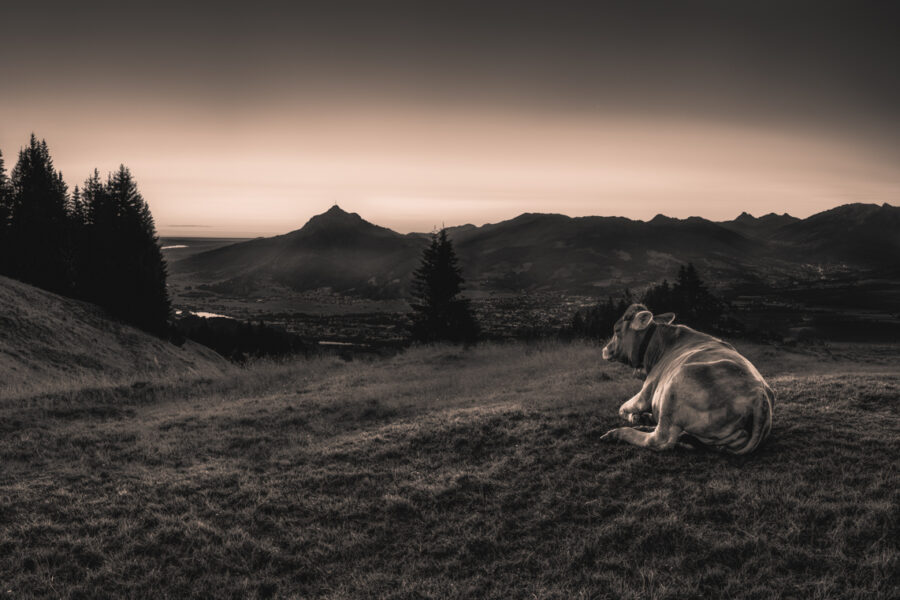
629	332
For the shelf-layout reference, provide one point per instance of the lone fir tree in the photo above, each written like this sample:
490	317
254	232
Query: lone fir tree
439	313
5	214
38	223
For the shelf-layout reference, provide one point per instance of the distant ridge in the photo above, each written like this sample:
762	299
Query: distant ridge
764	226
535	251
860	234
336	249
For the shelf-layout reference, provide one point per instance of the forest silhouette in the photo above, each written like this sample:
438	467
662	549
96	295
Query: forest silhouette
97	243
689	298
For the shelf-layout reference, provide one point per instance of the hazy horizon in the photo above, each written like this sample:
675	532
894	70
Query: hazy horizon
245	121
176	234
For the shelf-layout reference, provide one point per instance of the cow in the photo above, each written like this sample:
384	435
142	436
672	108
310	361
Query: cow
699	391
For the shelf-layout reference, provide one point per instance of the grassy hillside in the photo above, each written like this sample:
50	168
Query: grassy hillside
50	344
448	474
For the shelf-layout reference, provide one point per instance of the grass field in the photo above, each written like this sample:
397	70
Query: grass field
443	473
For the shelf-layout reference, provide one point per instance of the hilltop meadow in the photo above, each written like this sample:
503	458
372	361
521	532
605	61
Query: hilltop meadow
446	473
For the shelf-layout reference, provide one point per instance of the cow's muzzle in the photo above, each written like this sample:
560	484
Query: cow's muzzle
606	354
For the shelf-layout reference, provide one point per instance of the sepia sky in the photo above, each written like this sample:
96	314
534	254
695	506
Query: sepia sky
246	120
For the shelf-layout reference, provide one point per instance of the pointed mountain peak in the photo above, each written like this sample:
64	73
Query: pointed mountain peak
745	217
337	226
334	216
335	210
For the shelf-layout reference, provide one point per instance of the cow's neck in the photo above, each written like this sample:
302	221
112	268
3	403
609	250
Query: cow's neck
656	347
666	337
640	359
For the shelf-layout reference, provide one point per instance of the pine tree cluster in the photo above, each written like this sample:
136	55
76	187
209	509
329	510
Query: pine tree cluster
597	321
689	298
97	244
240	340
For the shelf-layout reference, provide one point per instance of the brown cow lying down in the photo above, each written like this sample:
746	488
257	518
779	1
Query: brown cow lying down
696	385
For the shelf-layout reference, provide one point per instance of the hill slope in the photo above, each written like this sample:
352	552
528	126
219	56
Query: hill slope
859	234
560	253
336	249
50	343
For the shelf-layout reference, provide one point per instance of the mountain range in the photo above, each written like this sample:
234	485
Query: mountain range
580	255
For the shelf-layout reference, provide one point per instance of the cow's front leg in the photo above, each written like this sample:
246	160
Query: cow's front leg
663	437
632	410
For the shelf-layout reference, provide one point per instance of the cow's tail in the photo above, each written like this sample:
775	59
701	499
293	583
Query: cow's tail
762	423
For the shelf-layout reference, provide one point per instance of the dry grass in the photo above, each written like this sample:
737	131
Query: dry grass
443	473
55	345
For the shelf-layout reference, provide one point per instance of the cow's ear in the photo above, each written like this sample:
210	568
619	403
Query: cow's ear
641	320
665	318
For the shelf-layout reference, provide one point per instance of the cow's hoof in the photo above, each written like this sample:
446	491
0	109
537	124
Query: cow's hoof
646	419
610	436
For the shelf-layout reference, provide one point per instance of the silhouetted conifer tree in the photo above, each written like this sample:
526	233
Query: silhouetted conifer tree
92	197
5	212
76	207
38	240
4	180
95	246
77	246
124	271
438	311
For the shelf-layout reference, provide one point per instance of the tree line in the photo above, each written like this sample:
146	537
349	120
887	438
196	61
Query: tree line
97	243
689	298
440	313
241	340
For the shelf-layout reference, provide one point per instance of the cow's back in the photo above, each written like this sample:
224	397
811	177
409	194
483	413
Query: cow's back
714	393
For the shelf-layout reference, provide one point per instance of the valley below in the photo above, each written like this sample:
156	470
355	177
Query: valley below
845	307
342	279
